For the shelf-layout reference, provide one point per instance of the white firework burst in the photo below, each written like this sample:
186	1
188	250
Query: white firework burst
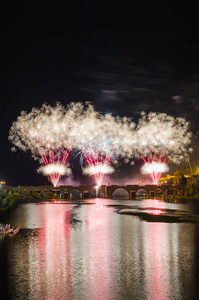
54	169
99	168
151	167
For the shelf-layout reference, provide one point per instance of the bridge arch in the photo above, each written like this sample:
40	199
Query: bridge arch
133	194
120	193
101	193
98	193
156	192
173	191
75	194
141	193
56	192
65	193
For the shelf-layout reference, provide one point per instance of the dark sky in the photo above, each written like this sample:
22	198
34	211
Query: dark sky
123	59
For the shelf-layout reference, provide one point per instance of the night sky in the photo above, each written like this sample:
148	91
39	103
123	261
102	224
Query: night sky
122	59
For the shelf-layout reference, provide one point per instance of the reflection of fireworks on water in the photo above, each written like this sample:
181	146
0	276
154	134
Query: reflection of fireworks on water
102	139
49	133
98	171
161	137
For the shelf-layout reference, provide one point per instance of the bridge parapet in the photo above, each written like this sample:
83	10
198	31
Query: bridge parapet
106	190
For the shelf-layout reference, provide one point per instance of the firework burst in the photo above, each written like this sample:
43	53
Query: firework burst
161	137
49	133
154	169
98	171
54	171
102	139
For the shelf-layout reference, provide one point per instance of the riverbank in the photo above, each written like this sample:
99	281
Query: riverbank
8	208
196	196
13	203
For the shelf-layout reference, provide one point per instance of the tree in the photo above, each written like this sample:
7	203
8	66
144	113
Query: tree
52	195
192	171
179	178
35	195
14	191
192	187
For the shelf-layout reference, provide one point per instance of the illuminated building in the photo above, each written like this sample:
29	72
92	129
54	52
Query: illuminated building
169	179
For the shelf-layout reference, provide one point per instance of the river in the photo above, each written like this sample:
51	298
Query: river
97	249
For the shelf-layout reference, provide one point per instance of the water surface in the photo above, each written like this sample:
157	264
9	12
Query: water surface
91	250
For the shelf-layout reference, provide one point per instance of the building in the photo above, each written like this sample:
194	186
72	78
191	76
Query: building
169	179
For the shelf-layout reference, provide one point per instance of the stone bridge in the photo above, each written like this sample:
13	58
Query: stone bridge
104	191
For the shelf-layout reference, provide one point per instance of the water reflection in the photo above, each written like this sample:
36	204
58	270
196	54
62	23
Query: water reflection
100	251
51	253
156	265
91	252
92	255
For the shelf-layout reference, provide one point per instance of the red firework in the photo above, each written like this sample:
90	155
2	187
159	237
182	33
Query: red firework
156	160
50	158
99	161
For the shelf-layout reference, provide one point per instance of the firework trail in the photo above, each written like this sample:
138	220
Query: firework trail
102	139
161	137
154	166
49	133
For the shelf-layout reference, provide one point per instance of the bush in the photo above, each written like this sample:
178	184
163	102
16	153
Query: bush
15	196
9	207
35	195
5	202
3	194
14	191
179	178
52	195
192	187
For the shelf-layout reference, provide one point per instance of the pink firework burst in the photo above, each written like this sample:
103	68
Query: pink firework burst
161	137
54	164
98	164
49	133
102	139
154	166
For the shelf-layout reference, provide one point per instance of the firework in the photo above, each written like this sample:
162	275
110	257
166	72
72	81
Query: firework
49	133
102	139
155	169
54	171
98	171
161	137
